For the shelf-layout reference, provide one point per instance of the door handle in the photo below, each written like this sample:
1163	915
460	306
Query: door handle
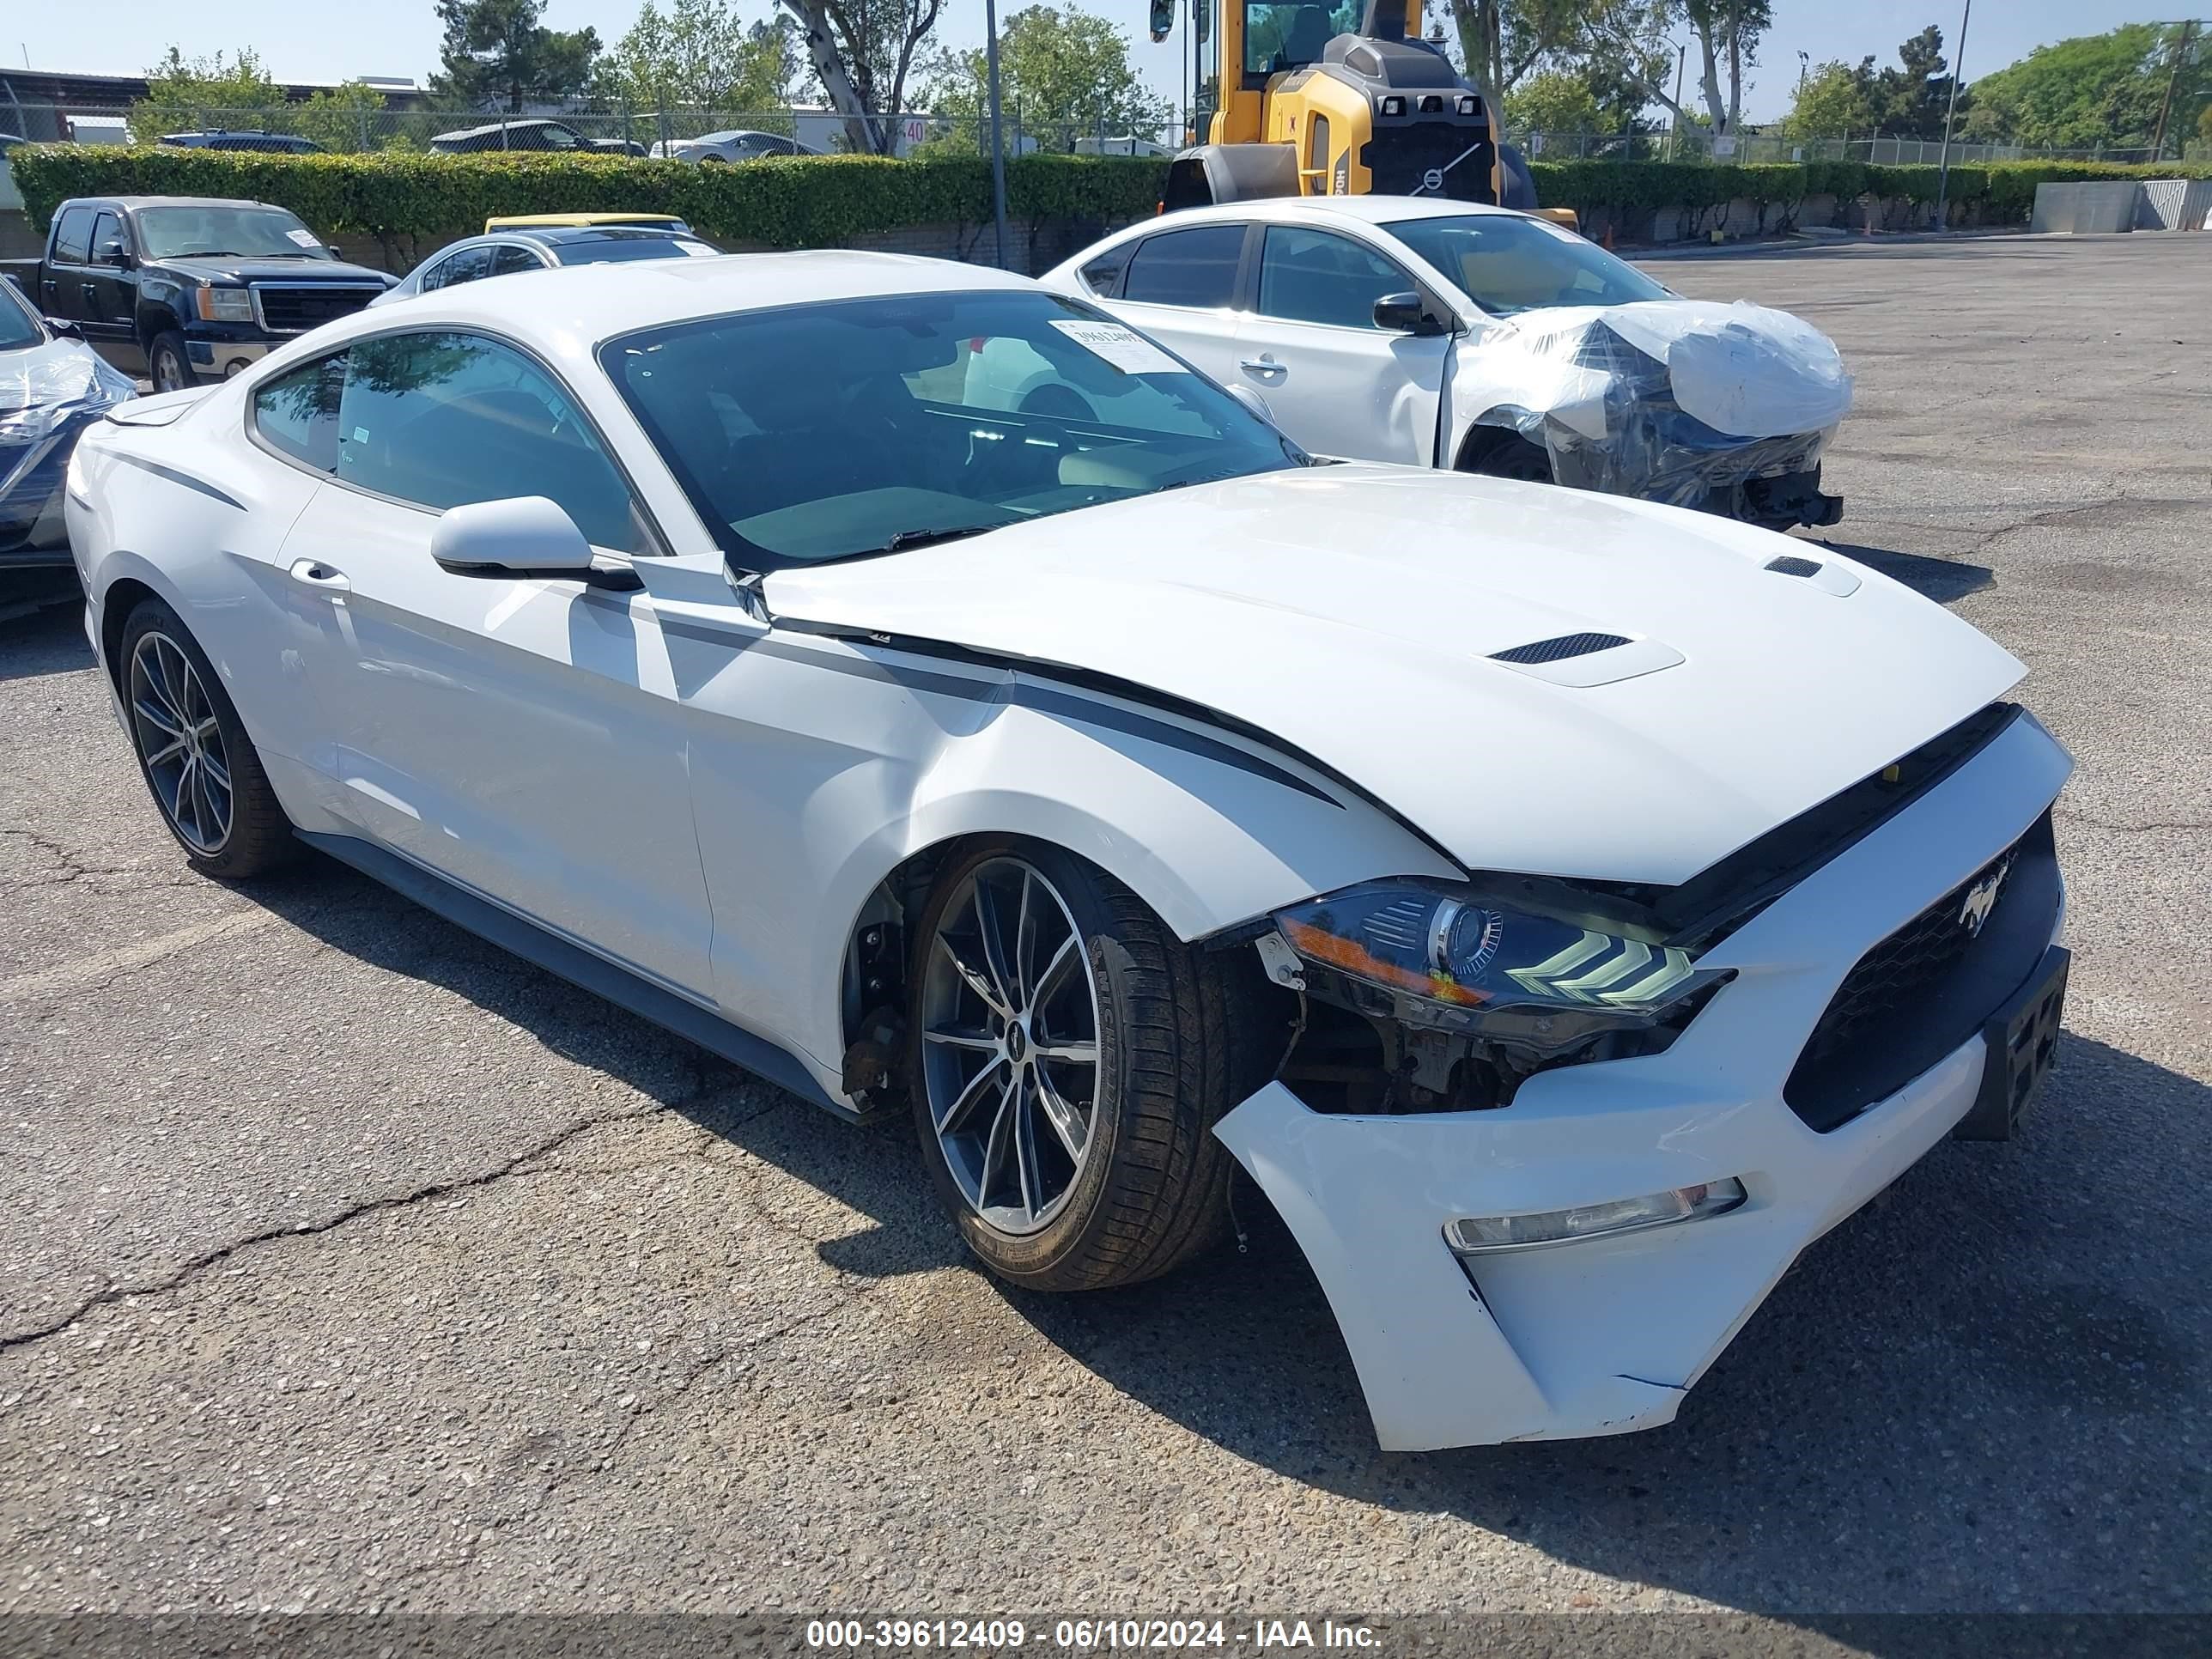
315	574
1262	366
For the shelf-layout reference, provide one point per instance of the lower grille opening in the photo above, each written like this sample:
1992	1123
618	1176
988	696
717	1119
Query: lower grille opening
1928	988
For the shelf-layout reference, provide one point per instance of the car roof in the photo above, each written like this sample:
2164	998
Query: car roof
584	221
132	203
509	125
1365	210
570	309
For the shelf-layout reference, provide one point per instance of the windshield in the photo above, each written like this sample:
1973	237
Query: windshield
18	327
1286	34
1508	265
173	233
829	431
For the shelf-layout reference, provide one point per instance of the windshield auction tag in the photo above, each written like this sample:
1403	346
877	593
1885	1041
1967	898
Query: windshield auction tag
1127	349
304	237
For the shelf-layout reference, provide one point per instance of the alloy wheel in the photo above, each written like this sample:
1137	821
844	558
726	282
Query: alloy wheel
1009	1045
180	740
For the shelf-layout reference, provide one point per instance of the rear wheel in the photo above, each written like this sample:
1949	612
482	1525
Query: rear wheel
1508	455
1069	1058
200	767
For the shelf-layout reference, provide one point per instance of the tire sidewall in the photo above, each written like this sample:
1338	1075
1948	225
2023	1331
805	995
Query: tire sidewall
153	616
171	344
1034	1256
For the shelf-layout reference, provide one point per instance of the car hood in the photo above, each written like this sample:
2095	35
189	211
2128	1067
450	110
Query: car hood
1351	612
260	269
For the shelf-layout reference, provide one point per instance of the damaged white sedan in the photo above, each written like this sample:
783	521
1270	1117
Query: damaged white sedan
1442	333
1566	909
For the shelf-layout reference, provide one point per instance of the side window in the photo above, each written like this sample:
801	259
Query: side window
1193	267
297	412
445	419
508	259
464	267
107	234
73	236
1317	277
1102	276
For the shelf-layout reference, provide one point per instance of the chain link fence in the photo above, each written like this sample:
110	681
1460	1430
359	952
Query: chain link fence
690	132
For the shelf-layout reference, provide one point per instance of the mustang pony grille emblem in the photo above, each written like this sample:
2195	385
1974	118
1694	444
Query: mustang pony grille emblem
1982	898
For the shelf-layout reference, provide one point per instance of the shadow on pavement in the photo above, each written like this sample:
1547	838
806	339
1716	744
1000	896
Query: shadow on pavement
42	624
1943	580
1955	1403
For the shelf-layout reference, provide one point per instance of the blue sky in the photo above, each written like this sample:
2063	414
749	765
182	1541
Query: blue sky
332	41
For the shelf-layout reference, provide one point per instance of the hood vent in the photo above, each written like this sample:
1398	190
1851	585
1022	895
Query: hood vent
1558	650
1828	578
1788	564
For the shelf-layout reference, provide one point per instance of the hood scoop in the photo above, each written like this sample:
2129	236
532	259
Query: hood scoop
1587	659
1828	578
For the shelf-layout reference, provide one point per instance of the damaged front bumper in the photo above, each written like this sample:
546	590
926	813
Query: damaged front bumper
1605	1335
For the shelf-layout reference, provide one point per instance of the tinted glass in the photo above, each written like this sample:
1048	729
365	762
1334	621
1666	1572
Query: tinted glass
175	232
18	327
1506	264
1193	267
463	267
446	419
508	261
1282	35
828	431
608	246
1102	276
1315	277
106	235
297	412
73	235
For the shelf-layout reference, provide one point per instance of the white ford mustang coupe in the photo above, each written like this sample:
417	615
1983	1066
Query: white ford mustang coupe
1564	908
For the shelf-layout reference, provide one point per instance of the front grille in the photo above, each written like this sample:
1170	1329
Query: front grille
294	309
1928	988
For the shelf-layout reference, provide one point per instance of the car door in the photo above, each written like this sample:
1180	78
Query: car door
521	738
1333	379
1179	287
110	291
61	291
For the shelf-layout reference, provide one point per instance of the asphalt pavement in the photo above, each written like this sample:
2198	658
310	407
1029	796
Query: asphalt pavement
346	1263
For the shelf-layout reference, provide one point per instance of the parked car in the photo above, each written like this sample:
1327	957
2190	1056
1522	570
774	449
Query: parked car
1567	909
528	133
556	221
1441	334
176	288
283	143
736	145
52	388
541	248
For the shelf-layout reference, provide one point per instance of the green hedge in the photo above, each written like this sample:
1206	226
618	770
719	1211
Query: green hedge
799	202
824	201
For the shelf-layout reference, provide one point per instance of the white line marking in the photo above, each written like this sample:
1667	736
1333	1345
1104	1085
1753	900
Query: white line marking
90	971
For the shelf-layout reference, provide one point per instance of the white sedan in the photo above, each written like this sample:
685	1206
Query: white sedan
1442	333
1565	909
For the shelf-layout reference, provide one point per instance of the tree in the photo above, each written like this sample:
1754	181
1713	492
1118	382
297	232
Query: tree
2093	90
1831	102
862	52
344	117
499	50
1059	66
184	95
1553	101
1909	101
698	54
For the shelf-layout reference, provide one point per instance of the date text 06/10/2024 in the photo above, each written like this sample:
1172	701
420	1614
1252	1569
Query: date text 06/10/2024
1087	1635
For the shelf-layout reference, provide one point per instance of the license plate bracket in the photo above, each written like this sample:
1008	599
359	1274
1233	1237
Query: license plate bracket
2023	1045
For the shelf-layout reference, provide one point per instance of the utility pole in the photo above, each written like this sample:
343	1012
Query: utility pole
1950	108
998	152
1804	68
1681	56
2172	73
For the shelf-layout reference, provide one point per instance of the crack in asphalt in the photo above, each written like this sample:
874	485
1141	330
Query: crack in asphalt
2198	825
198	1265
75	868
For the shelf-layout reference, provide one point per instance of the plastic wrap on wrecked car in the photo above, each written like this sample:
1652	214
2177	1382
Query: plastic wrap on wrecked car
49	394
1672	401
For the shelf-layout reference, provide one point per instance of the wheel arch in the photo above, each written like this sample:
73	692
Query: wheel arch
1491	430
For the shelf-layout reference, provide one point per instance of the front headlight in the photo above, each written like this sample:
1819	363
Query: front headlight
1462	952
226	305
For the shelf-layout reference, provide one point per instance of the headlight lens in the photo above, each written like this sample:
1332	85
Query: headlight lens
1464	952
226	305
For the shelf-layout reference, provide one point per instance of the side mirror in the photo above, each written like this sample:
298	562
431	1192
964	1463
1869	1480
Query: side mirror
1404	313
62	328
337	252
112	253
1253	401
526	536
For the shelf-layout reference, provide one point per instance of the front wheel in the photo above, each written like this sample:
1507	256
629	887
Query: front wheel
1069	1058
1511	455
167	364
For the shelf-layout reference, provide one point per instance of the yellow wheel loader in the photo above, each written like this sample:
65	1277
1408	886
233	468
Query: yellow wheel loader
1308	99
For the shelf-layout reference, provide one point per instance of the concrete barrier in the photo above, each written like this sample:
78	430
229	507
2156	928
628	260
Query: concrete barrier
2086	210
2175	204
